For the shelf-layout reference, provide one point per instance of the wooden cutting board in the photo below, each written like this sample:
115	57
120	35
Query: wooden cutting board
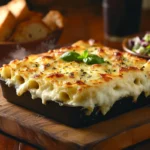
117	133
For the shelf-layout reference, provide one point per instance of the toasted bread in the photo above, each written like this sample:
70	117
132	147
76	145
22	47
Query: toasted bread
30	31
7	23
19	9
54	20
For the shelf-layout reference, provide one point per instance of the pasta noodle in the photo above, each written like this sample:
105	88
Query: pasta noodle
76	83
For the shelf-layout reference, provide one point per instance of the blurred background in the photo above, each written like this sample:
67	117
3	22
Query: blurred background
84	18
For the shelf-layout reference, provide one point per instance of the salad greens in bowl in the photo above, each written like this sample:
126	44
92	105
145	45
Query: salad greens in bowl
138	45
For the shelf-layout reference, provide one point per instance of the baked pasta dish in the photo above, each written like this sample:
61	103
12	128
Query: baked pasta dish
85	75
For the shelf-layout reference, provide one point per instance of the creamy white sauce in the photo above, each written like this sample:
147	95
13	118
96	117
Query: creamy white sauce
95	92
104	96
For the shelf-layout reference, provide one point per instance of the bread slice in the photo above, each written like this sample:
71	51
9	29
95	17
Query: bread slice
54	20
30	31
19	9
7	23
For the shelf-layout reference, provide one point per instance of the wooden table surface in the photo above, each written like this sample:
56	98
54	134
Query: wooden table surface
84	24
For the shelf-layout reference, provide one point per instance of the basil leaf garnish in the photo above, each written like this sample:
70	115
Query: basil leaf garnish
84	57
70	56
93	59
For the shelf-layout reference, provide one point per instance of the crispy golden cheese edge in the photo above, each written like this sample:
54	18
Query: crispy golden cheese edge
47	77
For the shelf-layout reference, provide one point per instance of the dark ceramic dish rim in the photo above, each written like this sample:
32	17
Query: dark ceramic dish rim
127	49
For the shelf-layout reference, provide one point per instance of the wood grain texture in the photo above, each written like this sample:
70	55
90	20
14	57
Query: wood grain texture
7	143
119	132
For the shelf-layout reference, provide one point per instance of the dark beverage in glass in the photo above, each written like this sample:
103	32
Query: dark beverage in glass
121	18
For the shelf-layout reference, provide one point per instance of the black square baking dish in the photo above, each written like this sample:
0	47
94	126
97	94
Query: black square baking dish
70	115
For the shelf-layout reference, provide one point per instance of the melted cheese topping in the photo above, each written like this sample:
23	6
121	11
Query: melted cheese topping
48	77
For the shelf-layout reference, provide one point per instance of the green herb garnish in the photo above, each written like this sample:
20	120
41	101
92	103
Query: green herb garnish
70	56
84	57
93	59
